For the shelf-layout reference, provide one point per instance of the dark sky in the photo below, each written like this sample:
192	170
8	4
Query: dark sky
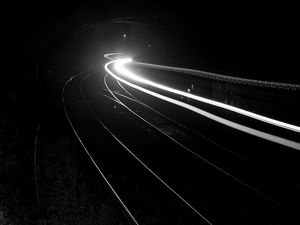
263	33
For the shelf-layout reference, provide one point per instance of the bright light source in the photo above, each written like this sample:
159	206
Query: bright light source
124	36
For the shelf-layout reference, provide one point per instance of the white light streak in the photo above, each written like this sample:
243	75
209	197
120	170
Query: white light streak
119	66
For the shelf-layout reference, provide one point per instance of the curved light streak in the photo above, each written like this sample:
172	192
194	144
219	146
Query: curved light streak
119	66
108	56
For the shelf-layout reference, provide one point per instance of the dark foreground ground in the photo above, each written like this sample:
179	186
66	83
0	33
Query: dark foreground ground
63	187
45	177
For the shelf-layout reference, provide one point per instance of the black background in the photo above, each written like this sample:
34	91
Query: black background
250	39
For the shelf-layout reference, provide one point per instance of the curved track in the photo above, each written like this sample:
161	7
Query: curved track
163	157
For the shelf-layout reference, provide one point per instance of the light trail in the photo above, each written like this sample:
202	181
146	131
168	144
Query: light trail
119	67
189	150
108	56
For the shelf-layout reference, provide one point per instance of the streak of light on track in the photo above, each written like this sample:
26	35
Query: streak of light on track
119	66
117	100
